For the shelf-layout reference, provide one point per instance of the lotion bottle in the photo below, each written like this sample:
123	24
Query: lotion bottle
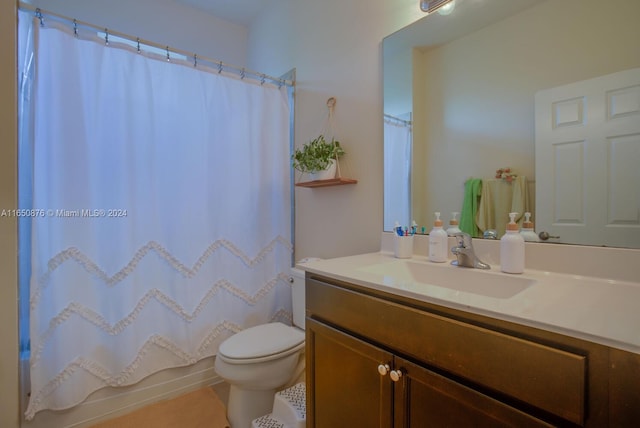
453	225
512	248
527	231
438	242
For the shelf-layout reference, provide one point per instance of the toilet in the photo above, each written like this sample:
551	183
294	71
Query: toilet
260	360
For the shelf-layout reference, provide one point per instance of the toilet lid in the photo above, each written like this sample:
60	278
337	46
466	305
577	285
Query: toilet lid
261	341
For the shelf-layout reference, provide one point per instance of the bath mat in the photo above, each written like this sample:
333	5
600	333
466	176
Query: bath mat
198	409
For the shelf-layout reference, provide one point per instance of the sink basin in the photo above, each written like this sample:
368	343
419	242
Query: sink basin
467	280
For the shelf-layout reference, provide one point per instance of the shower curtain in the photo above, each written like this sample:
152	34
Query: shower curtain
160	214
397	172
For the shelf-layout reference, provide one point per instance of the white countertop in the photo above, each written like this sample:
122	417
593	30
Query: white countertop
599	310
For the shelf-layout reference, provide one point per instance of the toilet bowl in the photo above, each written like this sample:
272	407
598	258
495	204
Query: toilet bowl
258	361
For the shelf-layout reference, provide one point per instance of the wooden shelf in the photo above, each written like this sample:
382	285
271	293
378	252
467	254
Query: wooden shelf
324	183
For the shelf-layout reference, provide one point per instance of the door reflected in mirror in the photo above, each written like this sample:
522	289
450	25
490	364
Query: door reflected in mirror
465	85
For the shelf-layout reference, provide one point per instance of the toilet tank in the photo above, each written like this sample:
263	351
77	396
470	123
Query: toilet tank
297	297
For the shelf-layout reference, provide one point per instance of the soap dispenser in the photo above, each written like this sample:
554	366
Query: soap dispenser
453	225
512	248
438	242
527	231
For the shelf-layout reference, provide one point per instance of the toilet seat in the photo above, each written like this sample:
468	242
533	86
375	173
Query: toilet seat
261	343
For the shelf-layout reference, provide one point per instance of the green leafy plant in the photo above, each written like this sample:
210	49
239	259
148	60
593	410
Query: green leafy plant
316	155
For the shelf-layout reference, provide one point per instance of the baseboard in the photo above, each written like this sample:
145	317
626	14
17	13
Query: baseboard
112	402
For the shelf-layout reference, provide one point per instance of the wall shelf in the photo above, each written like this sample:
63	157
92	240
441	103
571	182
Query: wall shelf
325	183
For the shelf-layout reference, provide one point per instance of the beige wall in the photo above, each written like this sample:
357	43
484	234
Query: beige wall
480	115
9	414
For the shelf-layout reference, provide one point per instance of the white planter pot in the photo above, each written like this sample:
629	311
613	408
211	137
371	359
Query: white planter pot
326	174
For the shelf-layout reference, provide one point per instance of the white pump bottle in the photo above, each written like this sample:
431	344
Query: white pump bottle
512	248
438	241
527	231
453	225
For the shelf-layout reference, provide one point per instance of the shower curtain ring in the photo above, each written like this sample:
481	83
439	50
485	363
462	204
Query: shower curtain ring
106	36
40	17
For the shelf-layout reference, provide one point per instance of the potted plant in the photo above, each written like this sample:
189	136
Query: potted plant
318	158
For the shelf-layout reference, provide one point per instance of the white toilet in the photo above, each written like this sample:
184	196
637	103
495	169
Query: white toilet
260	360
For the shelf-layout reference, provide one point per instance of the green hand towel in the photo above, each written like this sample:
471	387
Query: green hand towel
472	192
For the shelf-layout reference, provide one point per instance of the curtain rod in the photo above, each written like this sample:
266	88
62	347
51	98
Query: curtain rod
220	65
397	119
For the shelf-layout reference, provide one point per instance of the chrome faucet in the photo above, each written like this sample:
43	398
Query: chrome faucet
490	234
466	256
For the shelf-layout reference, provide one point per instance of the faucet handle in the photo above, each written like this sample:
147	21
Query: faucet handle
464	239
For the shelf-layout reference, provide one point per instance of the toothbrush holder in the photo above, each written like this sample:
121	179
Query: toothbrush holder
403	246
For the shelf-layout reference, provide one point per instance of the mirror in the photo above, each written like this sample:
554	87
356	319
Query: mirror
459	95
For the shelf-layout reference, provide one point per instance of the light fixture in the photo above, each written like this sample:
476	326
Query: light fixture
430	6
447	8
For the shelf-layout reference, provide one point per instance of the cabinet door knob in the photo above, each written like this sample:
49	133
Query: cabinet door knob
383	369
395	375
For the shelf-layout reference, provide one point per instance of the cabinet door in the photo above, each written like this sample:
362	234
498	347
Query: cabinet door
344	387
426	399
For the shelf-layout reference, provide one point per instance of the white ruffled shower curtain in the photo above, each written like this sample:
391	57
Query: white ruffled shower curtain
161	218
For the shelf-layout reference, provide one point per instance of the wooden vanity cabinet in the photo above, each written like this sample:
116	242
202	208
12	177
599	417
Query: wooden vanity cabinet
379	360
348	390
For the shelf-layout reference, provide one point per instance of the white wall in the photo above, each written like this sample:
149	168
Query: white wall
336	48
166	22
160	21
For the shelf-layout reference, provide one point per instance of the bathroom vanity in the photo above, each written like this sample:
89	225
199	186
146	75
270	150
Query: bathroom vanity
390	343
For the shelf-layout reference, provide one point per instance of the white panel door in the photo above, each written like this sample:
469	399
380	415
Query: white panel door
588	160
